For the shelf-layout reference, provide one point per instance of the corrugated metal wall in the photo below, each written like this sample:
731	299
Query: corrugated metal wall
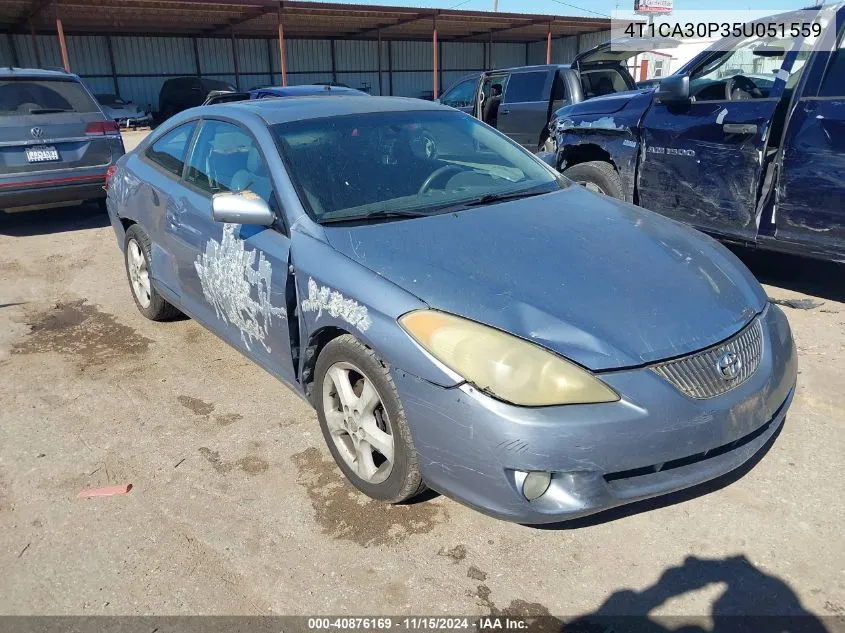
564	49
142	64
6	58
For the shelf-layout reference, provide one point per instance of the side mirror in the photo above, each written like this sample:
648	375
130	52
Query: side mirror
673	89
244	207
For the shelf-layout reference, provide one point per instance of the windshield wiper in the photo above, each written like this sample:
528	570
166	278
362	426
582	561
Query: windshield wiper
378	215
48	110
493	198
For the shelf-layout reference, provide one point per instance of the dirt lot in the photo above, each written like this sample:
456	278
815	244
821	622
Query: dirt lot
236	507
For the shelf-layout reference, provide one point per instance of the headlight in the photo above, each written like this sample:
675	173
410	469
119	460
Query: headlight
505	366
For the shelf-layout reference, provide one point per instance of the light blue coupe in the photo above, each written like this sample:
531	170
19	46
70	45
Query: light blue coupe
460	316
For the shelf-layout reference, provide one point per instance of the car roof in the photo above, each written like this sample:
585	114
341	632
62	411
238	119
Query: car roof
291	91
529	68
298	108
8	72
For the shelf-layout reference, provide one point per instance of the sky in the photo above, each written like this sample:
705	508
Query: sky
589	8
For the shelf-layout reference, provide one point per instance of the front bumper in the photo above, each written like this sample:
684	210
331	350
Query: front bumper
655	440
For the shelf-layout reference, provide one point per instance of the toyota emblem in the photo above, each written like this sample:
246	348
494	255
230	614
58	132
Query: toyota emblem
37	132
729	365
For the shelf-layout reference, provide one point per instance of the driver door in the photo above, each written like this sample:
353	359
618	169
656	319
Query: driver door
232	277
701	162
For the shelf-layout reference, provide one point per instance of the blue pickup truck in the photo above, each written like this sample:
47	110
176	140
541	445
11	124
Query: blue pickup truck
746	144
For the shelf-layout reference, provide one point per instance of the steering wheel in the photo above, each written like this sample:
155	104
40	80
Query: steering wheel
745	86
437	173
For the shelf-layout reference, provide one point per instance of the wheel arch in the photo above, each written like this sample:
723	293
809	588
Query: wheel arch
317	341
583	153
619	151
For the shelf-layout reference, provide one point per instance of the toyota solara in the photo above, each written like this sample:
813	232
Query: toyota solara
460	315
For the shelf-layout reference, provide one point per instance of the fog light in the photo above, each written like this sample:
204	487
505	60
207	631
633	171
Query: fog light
535	484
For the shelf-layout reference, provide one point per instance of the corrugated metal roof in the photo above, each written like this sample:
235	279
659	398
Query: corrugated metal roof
301	20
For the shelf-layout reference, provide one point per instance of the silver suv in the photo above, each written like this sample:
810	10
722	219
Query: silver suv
56	145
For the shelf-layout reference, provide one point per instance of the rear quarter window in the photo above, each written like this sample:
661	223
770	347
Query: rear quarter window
24	97
169	151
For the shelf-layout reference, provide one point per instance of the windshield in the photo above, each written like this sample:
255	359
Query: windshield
21	97
376	164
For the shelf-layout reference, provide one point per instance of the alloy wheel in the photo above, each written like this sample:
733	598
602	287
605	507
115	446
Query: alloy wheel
358	423
139	275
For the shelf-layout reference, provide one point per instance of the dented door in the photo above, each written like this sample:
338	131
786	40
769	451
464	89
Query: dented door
233	277
701	164
810	213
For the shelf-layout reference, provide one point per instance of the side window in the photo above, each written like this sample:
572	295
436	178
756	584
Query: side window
750	70
526	87
461	96
596	83
169	151
226	158
834	81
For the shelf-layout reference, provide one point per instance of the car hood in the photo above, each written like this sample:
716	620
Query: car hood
601	282
610	103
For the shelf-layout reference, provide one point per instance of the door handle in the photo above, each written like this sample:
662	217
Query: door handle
504	111
740	128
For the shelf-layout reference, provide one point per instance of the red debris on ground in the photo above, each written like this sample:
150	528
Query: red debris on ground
106	491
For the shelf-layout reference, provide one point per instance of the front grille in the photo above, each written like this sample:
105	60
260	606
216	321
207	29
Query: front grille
699	376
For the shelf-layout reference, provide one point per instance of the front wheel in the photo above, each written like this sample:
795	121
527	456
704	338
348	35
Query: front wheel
597	176
363	421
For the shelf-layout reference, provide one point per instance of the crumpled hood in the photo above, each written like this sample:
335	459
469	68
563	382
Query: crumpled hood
601	282
608	104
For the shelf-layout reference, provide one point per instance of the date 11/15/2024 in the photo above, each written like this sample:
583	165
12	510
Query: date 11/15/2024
418	623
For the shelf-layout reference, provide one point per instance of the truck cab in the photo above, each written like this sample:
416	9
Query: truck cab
519	101
746	142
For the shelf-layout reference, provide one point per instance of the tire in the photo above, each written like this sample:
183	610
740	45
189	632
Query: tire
347	356
153	306
597	176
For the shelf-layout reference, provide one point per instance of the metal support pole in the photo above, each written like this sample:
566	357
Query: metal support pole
197	57
15	61
282	56
549	45
334	60
270	60
62	44
235	60
113	67
390	67
35	47
440	68
434	47
490	53
380	85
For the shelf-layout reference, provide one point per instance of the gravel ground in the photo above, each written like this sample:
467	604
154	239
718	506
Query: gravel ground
236	507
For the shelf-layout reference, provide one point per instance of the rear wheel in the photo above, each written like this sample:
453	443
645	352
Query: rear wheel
136	254
363	421
597	176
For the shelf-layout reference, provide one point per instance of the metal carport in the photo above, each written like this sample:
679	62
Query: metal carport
130	46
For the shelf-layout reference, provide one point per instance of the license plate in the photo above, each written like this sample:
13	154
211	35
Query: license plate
41	154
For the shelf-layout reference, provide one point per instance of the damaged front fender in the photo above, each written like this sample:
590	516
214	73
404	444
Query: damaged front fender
336	293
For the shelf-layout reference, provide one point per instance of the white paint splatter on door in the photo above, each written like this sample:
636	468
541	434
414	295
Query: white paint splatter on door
228	276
